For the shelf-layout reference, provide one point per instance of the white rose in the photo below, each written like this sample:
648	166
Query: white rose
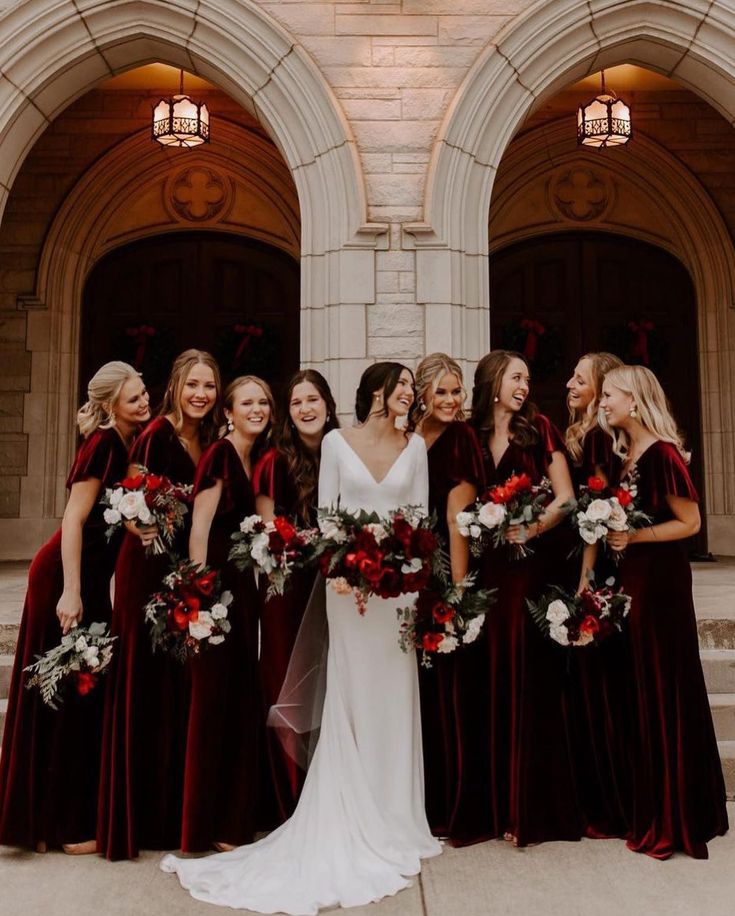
559	634
226	598
131	504
465	519
475	531
557	612
112	516
202	628
259	552
91	657
448	644
589	535
600	532
216	640
377	531
465	532
413	567
115	496
491	515
332	530
473	629
618	520
218	611
599	510
248	525
81	644
145	516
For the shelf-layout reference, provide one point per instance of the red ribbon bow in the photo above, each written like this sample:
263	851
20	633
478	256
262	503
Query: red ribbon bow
640	331
534	330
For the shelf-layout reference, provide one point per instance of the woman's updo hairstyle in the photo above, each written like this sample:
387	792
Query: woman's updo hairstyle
103	393
382	377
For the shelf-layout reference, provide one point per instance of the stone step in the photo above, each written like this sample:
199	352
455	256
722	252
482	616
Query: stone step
6	669
727	756
716	633
723	715
3	710
719	670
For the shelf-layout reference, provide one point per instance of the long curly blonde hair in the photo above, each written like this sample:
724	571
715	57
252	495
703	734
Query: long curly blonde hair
582	421
651	405
429	372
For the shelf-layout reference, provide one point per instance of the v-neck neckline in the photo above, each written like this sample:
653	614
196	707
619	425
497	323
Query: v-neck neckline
370	474
178	441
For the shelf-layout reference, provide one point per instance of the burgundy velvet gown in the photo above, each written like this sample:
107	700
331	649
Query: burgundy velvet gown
279	624
225	721
49	763
678	791
515	772
454	458
141	782
596	685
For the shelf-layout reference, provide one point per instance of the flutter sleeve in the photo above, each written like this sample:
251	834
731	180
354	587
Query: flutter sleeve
669	473
152	449
102	457
598	453
217	463
329	484
464	463
551	440
419	495
265	474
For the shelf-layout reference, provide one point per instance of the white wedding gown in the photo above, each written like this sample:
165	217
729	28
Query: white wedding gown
359	828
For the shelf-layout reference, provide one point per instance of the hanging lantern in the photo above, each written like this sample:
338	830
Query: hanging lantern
605	121
180	121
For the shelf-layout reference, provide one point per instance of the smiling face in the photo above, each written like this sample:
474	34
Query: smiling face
447	400
402	397
198	393
251	410
131	408
307	409
514	386
580	386
616	405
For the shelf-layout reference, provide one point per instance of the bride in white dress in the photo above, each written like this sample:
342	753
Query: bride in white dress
359	829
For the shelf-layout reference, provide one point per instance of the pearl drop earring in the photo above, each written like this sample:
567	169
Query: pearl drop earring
230	426
496	399
633	413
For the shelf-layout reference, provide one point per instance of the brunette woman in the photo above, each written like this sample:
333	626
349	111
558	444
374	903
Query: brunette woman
50	759
678	791
223	746
141	782
516	777
594	676
285	482
455	477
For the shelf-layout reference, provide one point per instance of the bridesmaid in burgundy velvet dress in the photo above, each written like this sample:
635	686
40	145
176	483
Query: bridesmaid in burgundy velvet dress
141	782
285	482
224	742
455	477
50	759
678	790
594	677
515	769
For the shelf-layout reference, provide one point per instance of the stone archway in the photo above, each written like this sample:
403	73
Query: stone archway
541	51
52	54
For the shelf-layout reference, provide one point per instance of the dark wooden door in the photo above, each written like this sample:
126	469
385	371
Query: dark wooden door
557	297
238	298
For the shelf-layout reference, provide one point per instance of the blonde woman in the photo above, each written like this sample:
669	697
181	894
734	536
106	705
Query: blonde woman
455	478
589	446
677	798
50	759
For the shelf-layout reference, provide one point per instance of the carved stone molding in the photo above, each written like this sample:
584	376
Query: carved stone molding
198	194
580	194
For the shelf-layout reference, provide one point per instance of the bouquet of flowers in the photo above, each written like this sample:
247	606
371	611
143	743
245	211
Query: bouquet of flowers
81	657
518	501
186	615
275	548
367	554
578	620
147	499
601	509
444	617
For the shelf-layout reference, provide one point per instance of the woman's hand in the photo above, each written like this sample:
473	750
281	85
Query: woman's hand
69	611
618	540
521	534
147	534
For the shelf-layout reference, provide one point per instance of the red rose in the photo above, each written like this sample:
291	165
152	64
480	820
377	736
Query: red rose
623	497
523	482
85	682
414	582
133	483
205	582
369	568
389	584
590	625
402	530
501	494
154	482
442	613
431	641
423	543
284	528
365	541
596	484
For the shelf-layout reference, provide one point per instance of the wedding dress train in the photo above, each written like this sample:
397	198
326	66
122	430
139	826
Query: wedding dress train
359	830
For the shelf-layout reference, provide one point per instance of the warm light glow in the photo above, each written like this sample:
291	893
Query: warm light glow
180	121
605	121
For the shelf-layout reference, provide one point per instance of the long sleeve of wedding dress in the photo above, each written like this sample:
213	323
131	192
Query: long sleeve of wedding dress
359	829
